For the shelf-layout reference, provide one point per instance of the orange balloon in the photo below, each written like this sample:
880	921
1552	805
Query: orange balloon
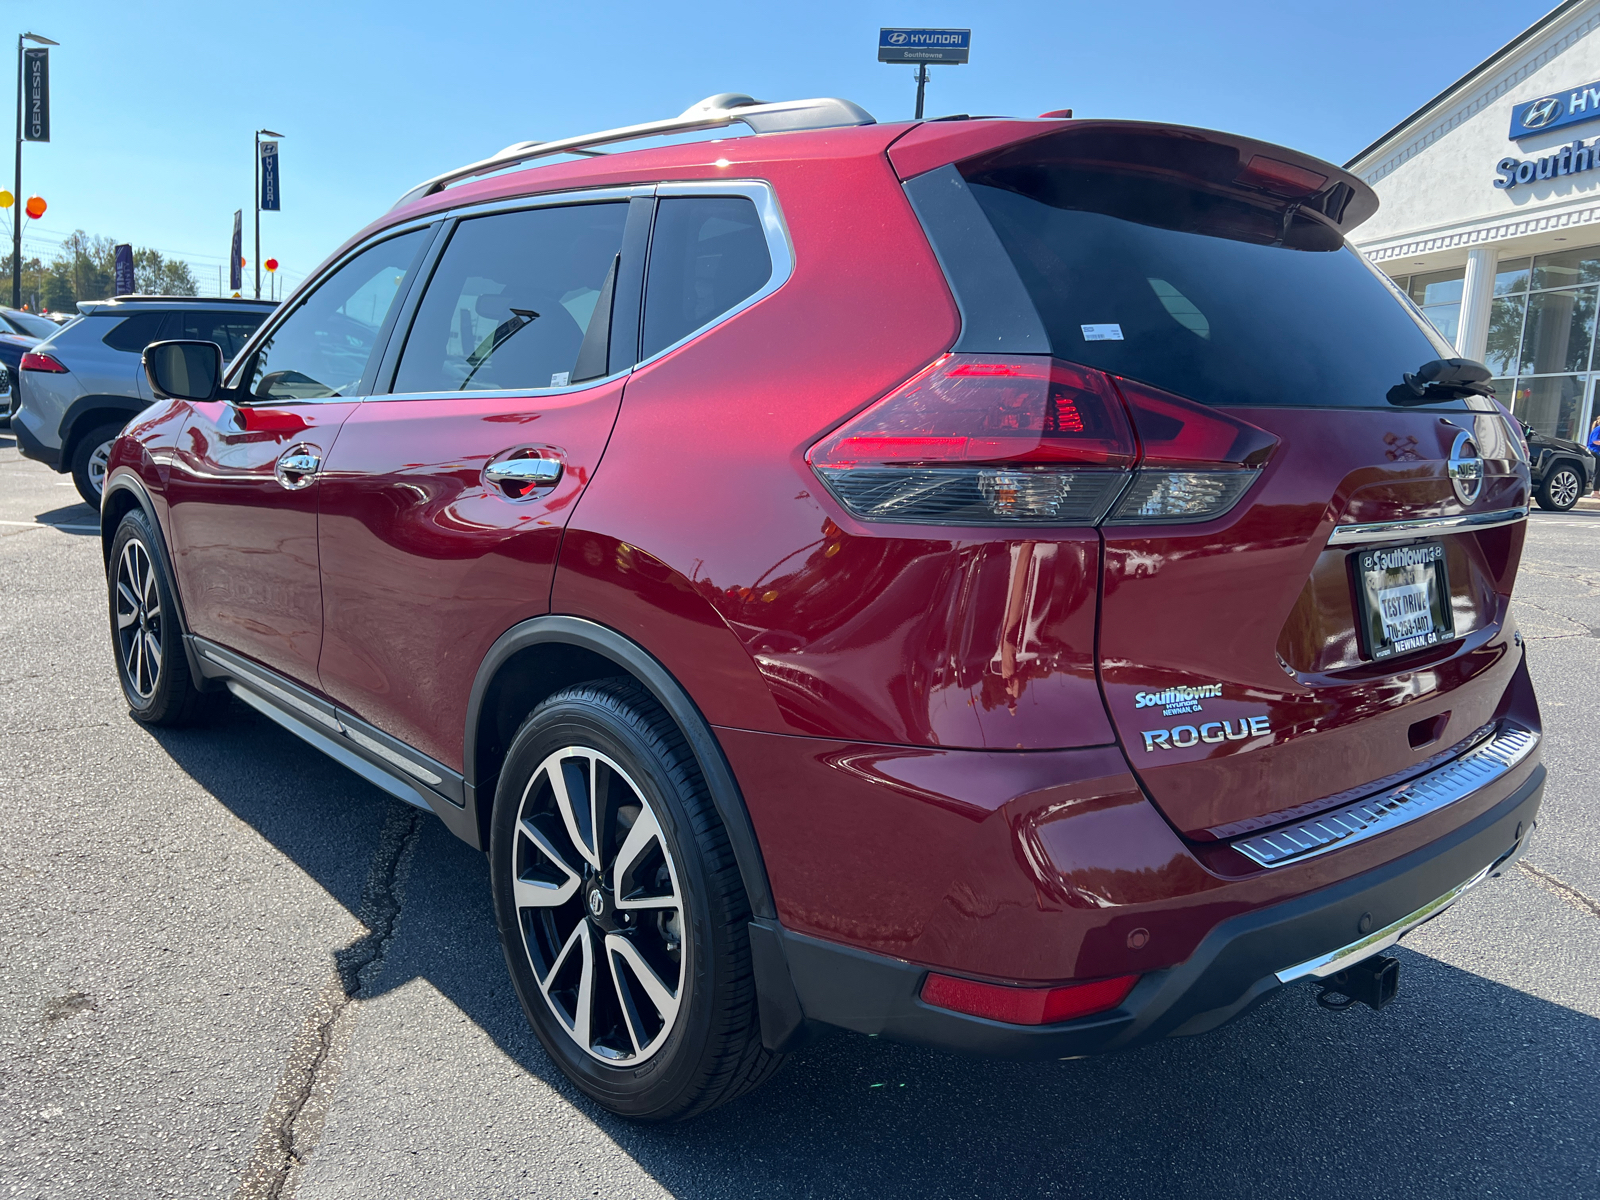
35	207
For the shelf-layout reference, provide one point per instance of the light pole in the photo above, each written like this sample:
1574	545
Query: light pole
270	134
16	222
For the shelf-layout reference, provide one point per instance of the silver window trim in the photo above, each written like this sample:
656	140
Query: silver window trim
1401	531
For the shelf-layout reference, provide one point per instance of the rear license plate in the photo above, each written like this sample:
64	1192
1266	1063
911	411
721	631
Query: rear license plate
1404	597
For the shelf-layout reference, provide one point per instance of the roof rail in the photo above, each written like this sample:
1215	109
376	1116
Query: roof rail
713	112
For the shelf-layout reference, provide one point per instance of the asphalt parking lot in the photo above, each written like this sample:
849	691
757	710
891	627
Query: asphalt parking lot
229	967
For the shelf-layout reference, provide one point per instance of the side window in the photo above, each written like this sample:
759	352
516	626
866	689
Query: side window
230	330
515	302
707	254
133	334
321	349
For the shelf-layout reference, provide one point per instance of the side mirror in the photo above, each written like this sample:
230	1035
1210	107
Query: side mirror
183	370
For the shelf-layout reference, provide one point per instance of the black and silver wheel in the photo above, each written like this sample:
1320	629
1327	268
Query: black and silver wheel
620	908
144	629
89	461
1561	488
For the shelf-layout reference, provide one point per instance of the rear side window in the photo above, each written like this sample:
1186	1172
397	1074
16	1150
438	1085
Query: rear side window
132	334
230	330
322	348
513	300
1199	294
708	254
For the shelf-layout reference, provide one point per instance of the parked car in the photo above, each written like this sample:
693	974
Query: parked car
77	389
905	578
19	332
1562	471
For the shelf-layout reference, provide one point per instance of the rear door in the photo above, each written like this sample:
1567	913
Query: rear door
444	501
1342	620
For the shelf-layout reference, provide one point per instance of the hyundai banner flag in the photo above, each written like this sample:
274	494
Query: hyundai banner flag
236	258
124	271
36	95
270	196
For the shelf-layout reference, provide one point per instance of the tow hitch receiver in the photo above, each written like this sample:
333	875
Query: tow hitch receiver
1374	982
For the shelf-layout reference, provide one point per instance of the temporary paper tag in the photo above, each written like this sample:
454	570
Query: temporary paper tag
1102	333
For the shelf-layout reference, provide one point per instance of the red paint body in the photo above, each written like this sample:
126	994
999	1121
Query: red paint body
934	729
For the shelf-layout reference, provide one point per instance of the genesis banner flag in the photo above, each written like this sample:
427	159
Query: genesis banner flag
236	257
269	177
36	95
124	271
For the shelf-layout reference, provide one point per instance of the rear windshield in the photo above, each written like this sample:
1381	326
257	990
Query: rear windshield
1184	290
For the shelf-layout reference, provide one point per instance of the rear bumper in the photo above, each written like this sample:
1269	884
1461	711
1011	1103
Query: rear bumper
30	446
1236	964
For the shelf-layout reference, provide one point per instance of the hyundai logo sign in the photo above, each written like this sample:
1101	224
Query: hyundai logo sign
924	45
1555	111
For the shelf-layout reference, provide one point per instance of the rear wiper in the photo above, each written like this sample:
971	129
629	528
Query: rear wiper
1442	379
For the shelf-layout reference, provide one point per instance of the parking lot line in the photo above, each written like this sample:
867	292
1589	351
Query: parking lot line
47	525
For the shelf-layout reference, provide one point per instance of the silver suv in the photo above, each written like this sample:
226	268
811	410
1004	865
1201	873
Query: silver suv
79	387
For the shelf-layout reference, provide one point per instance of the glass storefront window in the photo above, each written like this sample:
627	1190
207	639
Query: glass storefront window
1552	405
1511	275
1567	268
1558	331
1505	334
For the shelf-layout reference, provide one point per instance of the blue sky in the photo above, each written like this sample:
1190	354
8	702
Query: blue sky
155	103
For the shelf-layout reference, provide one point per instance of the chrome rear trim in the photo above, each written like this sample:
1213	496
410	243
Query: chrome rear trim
1404	531
1387	810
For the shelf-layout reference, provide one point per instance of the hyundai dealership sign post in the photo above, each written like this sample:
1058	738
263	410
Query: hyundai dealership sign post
921	47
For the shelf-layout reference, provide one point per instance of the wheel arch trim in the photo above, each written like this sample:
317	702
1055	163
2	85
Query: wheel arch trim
80	417
668	692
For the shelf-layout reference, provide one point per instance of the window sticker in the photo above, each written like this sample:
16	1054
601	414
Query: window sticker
1102	333
560	379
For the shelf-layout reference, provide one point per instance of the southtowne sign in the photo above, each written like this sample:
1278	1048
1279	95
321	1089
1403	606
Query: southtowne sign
1544	115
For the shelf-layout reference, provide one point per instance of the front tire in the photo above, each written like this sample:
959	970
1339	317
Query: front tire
145	633
620	907
89	460
1561	488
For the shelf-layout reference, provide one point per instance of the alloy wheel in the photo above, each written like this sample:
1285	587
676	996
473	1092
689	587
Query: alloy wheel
99	459
600	907
139	619
1564	487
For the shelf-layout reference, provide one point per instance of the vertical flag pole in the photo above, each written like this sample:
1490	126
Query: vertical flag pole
16	213
258	213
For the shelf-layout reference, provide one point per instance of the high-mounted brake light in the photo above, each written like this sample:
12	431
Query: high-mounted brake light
1025	1005
1275	175
1027	440
33	361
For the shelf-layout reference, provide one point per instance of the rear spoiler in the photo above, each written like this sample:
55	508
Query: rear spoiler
1223	162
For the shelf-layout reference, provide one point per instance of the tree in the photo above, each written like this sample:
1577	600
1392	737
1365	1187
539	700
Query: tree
157	276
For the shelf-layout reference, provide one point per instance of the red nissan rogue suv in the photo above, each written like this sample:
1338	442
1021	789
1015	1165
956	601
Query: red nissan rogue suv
1025	586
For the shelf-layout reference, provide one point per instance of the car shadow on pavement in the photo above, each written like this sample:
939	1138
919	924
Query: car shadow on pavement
77	519
1462	1087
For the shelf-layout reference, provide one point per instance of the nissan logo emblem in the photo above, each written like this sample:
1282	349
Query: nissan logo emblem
1466	468
597	902
1541	112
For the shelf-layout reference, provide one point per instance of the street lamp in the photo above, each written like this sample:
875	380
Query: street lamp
270	134
16	225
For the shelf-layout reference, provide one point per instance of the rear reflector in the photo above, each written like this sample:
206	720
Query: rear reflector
1024	1005
1028	440
41	362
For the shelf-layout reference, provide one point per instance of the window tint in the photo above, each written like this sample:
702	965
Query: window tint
132	334
31	325
228	329
1184	291
707	254
512	300
322	348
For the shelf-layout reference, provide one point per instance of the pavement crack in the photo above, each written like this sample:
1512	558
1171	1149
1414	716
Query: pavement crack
1561	888
299	1108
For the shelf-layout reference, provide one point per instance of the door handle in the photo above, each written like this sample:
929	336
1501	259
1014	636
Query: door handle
519	477
298	466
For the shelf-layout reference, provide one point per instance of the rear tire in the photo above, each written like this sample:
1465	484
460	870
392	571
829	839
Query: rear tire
146	636
1561	488
607	859
89	459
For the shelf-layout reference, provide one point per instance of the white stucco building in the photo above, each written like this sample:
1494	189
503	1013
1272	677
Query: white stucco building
1490	215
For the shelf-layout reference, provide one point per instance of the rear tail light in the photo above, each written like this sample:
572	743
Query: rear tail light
1025	440
34	361
1025	1005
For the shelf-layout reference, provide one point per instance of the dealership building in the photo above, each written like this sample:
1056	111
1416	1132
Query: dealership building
1490	216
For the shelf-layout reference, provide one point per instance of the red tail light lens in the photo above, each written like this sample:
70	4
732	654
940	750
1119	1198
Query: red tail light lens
1025	1005
41	362
1003	439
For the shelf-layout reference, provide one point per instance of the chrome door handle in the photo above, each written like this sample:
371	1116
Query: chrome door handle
517	477
298	466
